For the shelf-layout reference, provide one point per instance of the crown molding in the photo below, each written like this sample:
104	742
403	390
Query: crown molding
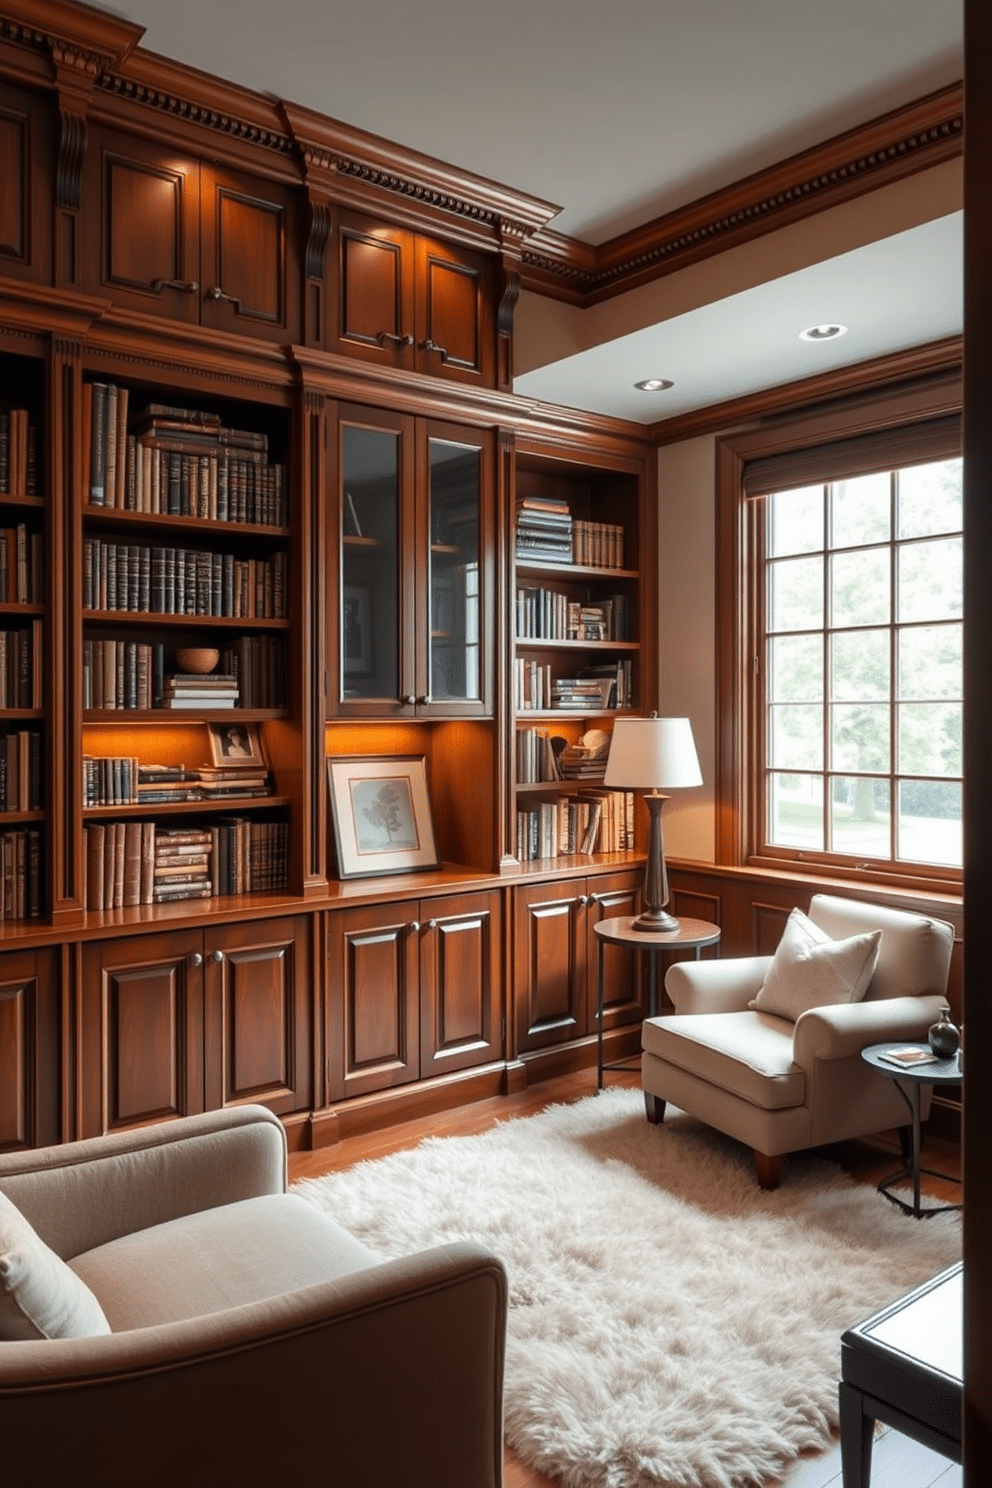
936	359
886	149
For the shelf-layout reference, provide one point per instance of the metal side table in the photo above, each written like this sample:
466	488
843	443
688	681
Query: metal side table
936	1072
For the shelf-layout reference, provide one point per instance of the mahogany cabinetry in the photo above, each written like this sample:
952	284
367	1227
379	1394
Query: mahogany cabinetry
415	991
160	237
183	1021
412	302
554	959
187	239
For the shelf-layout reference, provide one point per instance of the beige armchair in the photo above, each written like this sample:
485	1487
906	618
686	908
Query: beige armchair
252	1340
782	1083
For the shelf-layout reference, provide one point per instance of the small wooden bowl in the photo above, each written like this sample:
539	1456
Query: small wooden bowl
199	659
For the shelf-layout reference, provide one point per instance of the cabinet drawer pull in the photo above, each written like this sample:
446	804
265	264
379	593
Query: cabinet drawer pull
383	336
431	345
196	959
190	287
219	294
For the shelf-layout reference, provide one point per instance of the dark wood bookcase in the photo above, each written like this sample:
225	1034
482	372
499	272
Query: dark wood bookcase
192	246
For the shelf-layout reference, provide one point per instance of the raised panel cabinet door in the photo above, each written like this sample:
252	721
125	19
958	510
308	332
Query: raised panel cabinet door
615	896
140	1031
454	313
30	1102
25	186
149	227
257	1015
248	256
374	315
461	1002
549	964
373	996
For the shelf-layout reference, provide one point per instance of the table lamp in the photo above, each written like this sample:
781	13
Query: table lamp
653	755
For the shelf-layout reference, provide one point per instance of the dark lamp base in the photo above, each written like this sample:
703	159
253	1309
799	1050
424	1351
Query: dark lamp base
657	921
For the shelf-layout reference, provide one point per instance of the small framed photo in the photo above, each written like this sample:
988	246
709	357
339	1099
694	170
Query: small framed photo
235	745
356	631
381	814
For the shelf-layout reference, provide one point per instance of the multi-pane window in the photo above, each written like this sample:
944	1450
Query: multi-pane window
861	672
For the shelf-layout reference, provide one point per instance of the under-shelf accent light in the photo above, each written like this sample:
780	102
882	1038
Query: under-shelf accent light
654	385
828	332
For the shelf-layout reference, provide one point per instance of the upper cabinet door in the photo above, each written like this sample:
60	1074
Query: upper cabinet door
26	194
412	302
454	313
250	275
149	241
185	240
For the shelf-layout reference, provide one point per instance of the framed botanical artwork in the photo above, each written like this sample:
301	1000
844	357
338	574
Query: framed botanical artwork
381	814
236	745
356	630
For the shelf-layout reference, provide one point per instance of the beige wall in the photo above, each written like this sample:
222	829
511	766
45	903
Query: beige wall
687	630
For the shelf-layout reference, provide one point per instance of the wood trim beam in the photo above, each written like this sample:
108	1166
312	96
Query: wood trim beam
886	149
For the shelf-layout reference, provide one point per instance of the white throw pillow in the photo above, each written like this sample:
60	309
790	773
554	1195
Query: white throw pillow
810	970
39	1296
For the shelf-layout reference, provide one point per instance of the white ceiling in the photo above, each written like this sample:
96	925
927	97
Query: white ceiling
619	110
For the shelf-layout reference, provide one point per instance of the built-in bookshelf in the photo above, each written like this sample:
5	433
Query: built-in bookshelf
22	637
577	651
186	546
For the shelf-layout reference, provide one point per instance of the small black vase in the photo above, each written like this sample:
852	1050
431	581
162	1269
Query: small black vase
943	1036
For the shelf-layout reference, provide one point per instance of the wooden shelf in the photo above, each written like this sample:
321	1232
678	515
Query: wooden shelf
531	643
182	622
572	570
184	808
214	527
124	717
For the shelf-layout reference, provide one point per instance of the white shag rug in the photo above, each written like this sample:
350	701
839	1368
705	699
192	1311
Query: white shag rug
671	1325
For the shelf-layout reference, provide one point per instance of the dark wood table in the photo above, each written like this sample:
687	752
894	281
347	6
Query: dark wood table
691	935
904	1366
940	1072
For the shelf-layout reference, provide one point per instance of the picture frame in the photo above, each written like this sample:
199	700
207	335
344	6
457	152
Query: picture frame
357	635
236	746
381	814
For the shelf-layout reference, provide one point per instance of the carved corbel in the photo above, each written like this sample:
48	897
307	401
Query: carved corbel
512	236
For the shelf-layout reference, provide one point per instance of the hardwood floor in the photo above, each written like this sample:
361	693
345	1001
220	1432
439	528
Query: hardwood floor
896	1459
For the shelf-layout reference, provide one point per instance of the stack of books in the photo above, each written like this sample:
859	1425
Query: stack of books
581	694
182	866
544	530
587	759
216	783
197	690
167	783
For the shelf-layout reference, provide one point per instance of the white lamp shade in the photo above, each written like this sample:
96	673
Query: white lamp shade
652	754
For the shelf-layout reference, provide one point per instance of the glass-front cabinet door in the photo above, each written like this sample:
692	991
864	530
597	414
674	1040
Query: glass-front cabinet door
415	601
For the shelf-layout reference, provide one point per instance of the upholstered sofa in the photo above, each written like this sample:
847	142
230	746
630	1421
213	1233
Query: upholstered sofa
779	1075
251	1340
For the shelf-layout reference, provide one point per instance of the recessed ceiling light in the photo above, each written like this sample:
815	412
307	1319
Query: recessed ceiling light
823	333
655	385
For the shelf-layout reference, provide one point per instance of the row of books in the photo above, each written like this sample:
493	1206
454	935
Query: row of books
122	780
549	615
179	462
139	862
594	689
20	874
131	674
18	453
22	566
21	785
597	544
593	821
157	580
544	758
21	667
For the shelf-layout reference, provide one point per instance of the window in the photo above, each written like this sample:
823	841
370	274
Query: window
860	669
839	623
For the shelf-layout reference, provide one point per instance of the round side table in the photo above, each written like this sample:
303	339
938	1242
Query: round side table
914	1076
691	935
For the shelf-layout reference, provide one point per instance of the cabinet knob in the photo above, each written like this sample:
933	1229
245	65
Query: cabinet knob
431	345
190	287
583	900
425	699
196	959
432	924
383	336
410	700
414	927
216	955
219	294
